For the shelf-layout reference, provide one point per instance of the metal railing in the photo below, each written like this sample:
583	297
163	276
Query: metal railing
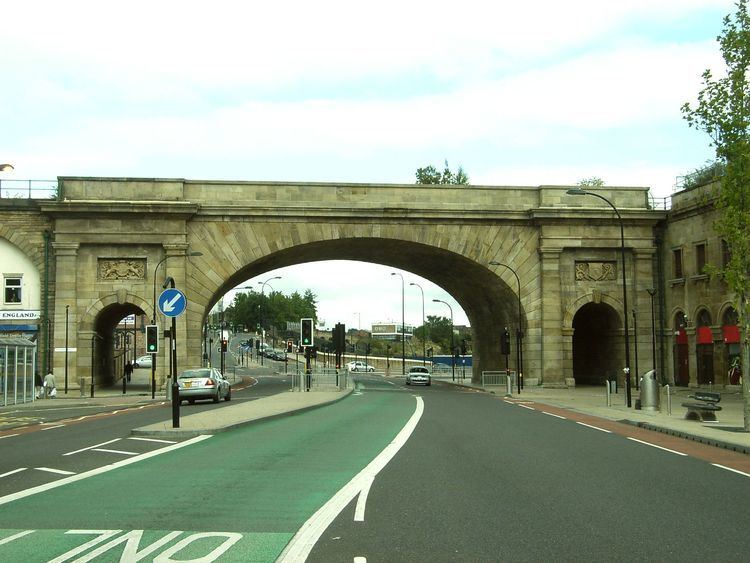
497	378
28	189
321	380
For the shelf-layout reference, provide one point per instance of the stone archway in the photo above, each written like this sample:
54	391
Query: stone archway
95	337
487	298
597	344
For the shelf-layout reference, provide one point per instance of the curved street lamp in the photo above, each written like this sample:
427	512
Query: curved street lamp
519	333
263	285
5	167
403	328
424	328
453	347
581	191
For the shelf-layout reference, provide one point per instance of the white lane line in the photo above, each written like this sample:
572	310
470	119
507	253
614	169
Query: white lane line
152	440
16	536
655	446
113	451
525	407
56	471
359	511
304	540
594	427
553	414
360	560
53	427
12	472
99	470
8	436
715	465
92	447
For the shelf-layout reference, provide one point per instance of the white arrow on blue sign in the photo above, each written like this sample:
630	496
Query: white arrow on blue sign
172	302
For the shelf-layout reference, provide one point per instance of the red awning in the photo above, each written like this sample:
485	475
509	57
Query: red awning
731	334
703	335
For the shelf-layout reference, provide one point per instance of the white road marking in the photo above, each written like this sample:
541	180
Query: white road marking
304	540
8	436
53	427
113	451
553	414
359	511
92	447
12	472
715	465
594	427
525	407
360	560
16	536
152	440
655	446
99	470
56	471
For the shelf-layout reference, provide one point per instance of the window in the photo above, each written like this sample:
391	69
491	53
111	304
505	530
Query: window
700	258
677	263
12	292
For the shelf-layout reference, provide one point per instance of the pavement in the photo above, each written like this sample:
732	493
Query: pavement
727	432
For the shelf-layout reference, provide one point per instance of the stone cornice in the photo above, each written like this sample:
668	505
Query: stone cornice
58	209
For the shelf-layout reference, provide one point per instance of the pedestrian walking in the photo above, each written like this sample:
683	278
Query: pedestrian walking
128	370
38	385
50	388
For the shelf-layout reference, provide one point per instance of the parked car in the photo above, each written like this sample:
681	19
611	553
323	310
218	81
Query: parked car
359	366
203	383
418	375
142	361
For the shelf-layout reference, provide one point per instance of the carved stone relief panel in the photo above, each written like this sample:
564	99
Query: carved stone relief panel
122	268
596	271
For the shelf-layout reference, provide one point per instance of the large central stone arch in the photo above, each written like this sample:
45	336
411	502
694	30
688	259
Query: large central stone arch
438	255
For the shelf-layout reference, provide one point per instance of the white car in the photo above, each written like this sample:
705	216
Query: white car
359	366
142	361
418	375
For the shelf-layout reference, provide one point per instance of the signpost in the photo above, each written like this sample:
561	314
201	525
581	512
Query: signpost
172	303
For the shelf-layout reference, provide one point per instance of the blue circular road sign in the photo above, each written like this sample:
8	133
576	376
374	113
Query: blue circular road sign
172	302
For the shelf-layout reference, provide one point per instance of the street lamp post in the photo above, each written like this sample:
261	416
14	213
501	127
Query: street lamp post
453	347
519	331
263	285
424	328
652	292
403	327
153	318
581	191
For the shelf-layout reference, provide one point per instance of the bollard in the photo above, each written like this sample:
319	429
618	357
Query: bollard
669	400
508	385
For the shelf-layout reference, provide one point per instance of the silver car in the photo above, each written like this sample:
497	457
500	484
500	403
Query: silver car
418	375
203	383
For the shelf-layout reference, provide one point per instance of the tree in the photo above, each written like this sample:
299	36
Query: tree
593	182
430	175
723	111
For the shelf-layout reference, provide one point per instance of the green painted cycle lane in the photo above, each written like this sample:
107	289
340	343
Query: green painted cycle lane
237	496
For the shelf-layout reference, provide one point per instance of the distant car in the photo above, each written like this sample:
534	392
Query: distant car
418	375
359	366
142	361
203	383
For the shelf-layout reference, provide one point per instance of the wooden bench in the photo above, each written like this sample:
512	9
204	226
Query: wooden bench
705	410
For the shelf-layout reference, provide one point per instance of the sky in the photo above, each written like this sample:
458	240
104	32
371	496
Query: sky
543	92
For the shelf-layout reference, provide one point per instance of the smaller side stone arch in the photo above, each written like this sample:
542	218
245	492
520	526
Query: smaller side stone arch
593	297
88	318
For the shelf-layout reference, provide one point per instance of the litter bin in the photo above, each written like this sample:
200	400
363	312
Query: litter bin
649	391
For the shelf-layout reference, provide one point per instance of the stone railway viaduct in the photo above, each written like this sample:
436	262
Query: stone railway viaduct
97	245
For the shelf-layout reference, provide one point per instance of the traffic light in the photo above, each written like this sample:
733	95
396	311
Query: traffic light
306	332
505	343
289	346
152	339
223	344
463	347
